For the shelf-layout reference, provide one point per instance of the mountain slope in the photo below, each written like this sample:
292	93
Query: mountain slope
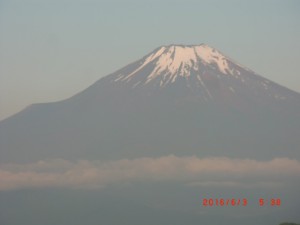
176	100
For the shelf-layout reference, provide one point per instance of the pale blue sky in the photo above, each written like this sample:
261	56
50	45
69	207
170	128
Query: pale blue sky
52	49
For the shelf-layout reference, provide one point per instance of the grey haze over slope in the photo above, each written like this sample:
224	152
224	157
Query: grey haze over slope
182	100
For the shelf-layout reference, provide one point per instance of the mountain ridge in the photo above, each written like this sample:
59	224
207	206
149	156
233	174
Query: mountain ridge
205	111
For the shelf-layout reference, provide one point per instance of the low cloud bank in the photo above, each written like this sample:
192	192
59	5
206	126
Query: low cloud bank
190	170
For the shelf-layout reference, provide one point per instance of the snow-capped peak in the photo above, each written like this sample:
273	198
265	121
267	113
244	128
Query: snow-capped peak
180	60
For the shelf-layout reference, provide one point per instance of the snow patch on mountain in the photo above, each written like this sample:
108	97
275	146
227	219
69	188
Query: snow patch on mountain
204	69
170	62
212	56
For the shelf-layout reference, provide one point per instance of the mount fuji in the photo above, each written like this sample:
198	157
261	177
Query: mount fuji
179	99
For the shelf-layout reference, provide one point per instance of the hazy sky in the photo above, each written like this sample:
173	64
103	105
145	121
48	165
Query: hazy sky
52	49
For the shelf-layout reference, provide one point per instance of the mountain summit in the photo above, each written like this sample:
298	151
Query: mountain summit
201	71
183	100
171	62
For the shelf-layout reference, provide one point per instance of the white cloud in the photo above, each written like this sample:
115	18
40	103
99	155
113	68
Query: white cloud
191	170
